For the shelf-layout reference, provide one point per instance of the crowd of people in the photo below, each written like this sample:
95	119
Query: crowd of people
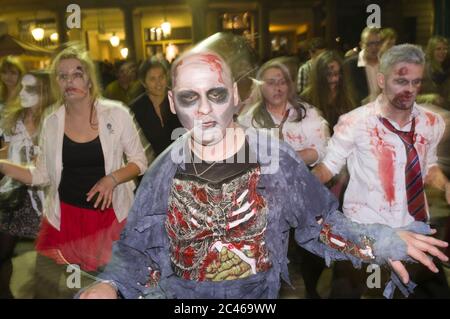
339	152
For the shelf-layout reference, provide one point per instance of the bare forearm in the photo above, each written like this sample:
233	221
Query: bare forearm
322	173
17	172
126	173
436	178
308	155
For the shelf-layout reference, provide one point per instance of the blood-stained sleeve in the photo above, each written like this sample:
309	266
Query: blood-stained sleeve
341	144
435	123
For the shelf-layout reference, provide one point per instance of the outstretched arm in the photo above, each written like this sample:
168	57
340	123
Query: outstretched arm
325	231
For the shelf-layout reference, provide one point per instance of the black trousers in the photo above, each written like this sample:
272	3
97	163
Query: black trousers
7	245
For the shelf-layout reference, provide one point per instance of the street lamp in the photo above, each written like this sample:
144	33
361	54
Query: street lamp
166	28
124	52
114	40
37	33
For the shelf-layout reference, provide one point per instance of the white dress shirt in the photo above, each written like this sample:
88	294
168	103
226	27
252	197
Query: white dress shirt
311	132
376	159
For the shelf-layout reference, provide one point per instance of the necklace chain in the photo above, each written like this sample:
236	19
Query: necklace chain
207	169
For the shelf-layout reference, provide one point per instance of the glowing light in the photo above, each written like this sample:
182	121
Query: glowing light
38	34
114	40
166	28
54	37
124	52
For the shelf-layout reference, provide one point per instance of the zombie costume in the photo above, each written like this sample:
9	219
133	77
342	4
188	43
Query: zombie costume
226	236
376	161
20	205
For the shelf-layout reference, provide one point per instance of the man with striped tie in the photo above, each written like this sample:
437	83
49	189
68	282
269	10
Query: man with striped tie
389	146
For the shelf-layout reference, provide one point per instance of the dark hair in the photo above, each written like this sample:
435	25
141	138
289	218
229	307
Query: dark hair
149	64
316	44
318	91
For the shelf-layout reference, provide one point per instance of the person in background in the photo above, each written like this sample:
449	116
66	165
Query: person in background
151	110
126	88
315	47
278	107
436	81
21	205
363	67
388	39
11	72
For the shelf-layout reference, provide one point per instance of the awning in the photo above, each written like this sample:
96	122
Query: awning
12	46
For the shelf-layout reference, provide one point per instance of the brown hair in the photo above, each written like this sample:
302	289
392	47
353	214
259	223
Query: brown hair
318	91
10	63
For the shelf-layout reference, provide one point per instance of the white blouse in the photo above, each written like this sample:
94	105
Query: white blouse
311	132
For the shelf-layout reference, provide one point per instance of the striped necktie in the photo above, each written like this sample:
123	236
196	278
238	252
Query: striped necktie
413	176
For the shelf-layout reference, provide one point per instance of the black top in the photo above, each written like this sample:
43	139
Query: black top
159	136
221	171
83	167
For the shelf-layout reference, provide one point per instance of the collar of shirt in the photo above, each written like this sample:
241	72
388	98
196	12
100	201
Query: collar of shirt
361	61
379	112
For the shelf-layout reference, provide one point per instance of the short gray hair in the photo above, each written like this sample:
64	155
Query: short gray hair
408	53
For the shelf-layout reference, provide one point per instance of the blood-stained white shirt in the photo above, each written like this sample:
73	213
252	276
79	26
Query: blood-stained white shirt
376	159
311	132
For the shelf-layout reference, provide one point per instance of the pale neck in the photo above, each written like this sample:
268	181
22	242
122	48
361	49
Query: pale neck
277	110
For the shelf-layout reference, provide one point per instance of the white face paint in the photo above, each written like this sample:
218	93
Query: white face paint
29	95
204	97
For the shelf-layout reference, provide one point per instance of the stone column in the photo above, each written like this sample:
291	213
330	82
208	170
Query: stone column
129	31
199	12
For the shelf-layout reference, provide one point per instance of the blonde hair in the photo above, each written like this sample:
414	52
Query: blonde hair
7	63
78	52
434	65
261	115
15	111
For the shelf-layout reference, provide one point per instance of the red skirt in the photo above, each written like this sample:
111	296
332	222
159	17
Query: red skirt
85	237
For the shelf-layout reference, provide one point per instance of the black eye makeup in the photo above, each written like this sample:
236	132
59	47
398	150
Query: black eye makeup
218	95
187	98
31	89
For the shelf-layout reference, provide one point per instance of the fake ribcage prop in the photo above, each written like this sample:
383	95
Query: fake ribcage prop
216	231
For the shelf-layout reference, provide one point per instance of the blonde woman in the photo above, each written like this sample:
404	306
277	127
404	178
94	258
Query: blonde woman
279	108
436	80
90	189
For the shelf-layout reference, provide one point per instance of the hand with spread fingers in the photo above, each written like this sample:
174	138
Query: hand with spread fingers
102	192
421	248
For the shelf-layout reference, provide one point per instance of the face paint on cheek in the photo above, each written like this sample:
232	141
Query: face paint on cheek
29	100
214	63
